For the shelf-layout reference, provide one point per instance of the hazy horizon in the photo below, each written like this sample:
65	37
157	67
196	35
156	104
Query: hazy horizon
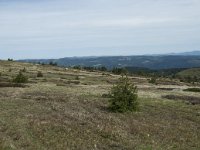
56	29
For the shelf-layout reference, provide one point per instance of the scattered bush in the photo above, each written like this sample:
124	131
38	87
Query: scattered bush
77	67
20	78
124	96
119	71
53	63
73	82
39	74
152	80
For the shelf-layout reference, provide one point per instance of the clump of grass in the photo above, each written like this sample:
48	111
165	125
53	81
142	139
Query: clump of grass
192	90
39	74
124	96
20	78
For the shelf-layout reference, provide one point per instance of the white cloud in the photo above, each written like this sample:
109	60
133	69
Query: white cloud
49	24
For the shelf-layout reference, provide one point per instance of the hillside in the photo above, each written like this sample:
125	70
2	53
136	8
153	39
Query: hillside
151	62
65	109
190	73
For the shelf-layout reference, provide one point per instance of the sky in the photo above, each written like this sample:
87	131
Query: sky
67	28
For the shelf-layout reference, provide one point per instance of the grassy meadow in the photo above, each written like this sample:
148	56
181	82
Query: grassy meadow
65	109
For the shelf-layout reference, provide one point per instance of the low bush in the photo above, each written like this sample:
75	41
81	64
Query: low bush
192	90
124	96
39	74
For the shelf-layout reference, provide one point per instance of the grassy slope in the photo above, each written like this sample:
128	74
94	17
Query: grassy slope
190	72
53	114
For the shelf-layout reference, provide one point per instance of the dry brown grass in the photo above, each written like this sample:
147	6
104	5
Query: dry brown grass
76	116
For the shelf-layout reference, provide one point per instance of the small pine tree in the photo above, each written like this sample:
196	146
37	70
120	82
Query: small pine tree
20	78
124	96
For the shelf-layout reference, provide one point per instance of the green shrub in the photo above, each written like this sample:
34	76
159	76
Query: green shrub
152	80
39	74
20	78
192	90
9	59
124	96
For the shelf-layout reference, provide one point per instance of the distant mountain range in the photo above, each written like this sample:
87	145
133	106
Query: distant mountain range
193	53
173	60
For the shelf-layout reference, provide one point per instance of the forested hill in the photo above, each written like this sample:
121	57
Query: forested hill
151	62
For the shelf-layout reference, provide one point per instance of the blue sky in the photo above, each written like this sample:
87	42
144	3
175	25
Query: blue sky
64	28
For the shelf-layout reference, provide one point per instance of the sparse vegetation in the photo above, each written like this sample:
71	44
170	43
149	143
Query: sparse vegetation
55	113
119	71
53	63
124	96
